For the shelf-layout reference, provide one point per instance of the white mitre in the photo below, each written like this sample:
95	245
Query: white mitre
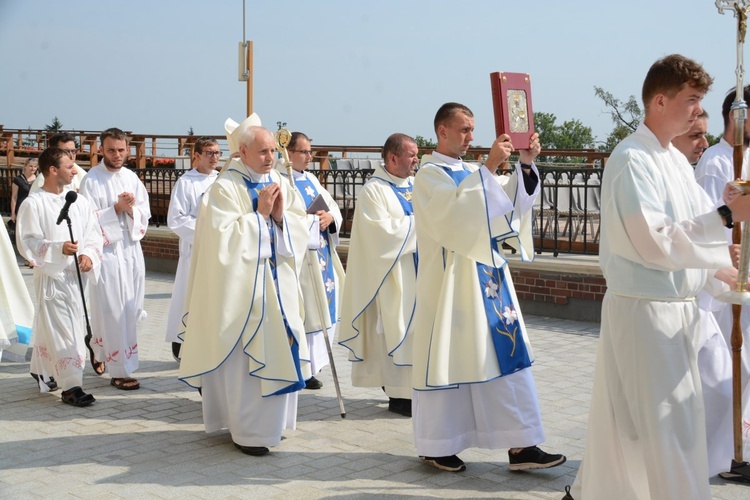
232	129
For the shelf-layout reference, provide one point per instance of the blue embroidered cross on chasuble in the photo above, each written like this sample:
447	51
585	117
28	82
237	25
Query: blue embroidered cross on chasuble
254	189
500	307
325	259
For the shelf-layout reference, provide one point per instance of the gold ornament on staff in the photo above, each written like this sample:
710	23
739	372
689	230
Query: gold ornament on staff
283	138
739	470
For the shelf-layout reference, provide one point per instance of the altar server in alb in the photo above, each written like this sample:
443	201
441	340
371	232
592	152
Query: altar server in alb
121	204
662	242
244	344
59	328
322	282
472	358
378	306
181	216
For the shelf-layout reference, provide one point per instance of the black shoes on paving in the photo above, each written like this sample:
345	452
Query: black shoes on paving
76	397
527	459
51	384
533	458
313	384
255	451
450	464
176	346
400	406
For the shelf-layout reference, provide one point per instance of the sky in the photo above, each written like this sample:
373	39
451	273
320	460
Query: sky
345	72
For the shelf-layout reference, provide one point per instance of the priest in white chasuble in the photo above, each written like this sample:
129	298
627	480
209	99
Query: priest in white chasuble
59	329
378	304
244	344
472	358
322	275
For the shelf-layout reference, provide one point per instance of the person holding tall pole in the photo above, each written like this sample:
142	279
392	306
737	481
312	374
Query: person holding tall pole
59	348
322	278
662	242
739	470
320	296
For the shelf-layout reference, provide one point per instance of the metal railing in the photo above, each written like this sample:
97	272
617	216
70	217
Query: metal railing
566	213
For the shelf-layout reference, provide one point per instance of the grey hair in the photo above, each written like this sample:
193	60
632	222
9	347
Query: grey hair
248	133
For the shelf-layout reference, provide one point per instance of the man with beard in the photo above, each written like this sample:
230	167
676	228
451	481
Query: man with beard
122	210
181	217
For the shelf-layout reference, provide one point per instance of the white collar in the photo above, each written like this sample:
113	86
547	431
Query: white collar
450	162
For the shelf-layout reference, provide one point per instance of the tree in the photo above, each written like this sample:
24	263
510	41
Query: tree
190	132
712	139
424	143
572	134
55	126
625	115
618	133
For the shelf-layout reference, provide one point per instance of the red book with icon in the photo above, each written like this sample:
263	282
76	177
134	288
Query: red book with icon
511	101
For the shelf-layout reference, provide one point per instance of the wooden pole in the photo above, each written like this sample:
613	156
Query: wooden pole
736	339
740	235
249	52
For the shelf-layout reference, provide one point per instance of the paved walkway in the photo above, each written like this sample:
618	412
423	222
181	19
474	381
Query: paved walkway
150	443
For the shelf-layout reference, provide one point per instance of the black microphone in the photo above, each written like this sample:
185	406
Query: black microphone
70	198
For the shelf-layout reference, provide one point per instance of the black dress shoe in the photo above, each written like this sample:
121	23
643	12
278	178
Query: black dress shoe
313	384
51	384
255	451
400	406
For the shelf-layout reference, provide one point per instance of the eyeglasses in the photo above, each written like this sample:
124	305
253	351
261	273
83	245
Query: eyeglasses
304	152
71	151
212	153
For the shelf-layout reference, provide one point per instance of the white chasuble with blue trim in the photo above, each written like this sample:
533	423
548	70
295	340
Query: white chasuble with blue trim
500	307
254	189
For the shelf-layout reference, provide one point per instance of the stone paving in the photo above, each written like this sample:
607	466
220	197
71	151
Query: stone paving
150	443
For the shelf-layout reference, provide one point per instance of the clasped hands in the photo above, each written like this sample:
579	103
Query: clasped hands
271	202
125	203
502	148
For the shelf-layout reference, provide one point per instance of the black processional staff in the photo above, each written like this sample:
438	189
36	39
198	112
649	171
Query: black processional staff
70	198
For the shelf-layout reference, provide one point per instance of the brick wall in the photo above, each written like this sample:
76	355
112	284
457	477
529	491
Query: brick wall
569	287
557	288
161	249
